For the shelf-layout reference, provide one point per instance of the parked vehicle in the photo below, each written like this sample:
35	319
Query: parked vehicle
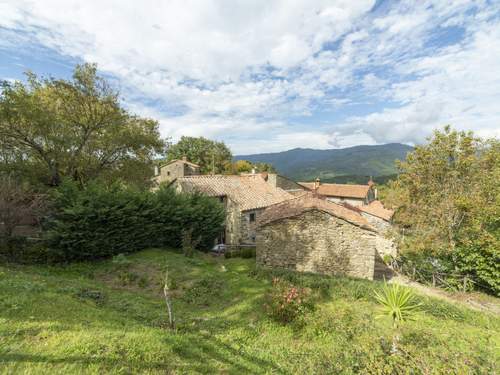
219	248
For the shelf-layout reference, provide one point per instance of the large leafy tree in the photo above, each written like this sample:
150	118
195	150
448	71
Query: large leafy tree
210	155
448	197
74	128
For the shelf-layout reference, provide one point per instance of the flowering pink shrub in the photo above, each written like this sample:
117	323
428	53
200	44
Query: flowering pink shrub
286	302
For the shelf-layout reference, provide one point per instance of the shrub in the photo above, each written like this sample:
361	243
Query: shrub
188	243
288	303
247	253
101	221
204	291
399	304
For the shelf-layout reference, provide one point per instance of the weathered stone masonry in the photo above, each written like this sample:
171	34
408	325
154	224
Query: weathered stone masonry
316	241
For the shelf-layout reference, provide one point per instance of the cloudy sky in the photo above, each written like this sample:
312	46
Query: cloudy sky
267	75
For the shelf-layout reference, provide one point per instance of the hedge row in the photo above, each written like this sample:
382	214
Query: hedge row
100	221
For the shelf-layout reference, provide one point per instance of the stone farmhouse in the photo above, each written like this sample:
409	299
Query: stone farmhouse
310	234
175	168
323	229
376	214
354	195
244	197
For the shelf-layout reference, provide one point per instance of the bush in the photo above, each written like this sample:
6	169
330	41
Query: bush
204	291
247	253
288	303
101	221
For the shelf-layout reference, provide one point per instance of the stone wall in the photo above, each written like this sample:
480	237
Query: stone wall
176	169
233	223
317	242
380	224
248	228
284	183
351	201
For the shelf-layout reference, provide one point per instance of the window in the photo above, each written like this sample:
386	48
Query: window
252	217
168	173
252	238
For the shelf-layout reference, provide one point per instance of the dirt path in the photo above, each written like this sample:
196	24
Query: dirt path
476	301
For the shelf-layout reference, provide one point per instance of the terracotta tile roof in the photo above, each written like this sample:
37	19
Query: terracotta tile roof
249	191
309	202
376	208
339	190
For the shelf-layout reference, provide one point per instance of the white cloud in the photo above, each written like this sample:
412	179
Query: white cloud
240	70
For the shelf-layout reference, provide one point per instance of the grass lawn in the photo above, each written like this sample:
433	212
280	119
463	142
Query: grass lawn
105	317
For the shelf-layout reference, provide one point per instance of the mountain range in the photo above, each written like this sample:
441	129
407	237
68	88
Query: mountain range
344	165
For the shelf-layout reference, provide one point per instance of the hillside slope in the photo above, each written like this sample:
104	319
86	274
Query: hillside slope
307	164
107	317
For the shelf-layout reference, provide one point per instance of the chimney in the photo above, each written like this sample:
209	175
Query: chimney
157	171
184	158
253	170
317	183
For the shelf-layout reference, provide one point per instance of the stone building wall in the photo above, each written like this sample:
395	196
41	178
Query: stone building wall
380	224
248	228
177	169
284	183
351	201
317	242
233	223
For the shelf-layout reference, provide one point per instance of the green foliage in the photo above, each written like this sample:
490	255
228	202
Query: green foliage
47	329
287	303
188	243
204	292
244	252
96	296
248	252
332	165
54	128
101	221
210	155
397	302
448	200
121	260
244	166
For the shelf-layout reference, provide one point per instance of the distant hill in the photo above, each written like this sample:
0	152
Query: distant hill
351	164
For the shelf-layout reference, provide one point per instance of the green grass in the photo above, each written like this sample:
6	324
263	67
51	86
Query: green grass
105	317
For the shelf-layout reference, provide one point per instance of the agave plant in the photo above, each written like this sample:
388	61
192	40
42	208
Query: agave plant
399	303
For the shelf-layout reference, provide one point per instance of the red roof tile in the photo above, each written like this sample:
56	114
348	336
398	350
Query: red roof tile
249	191
309	202
376	208
339	190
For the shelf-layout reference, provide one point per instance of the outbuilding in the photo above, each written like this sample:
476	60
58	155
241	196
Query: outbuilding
309	234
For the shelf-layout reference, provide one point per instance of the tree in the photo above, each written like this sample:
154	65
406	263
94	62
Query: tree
210	155
242	166
74	128
448	197
18	204
265	167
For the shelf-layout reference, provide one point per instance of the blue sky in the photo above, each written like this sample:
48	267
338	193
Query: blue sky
267	76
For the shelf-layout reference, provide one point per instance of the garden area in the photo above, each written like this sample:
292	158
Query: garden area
110	316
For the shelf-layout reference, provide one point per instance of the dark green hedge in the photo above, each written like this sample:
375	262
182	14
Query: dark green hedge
101	221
